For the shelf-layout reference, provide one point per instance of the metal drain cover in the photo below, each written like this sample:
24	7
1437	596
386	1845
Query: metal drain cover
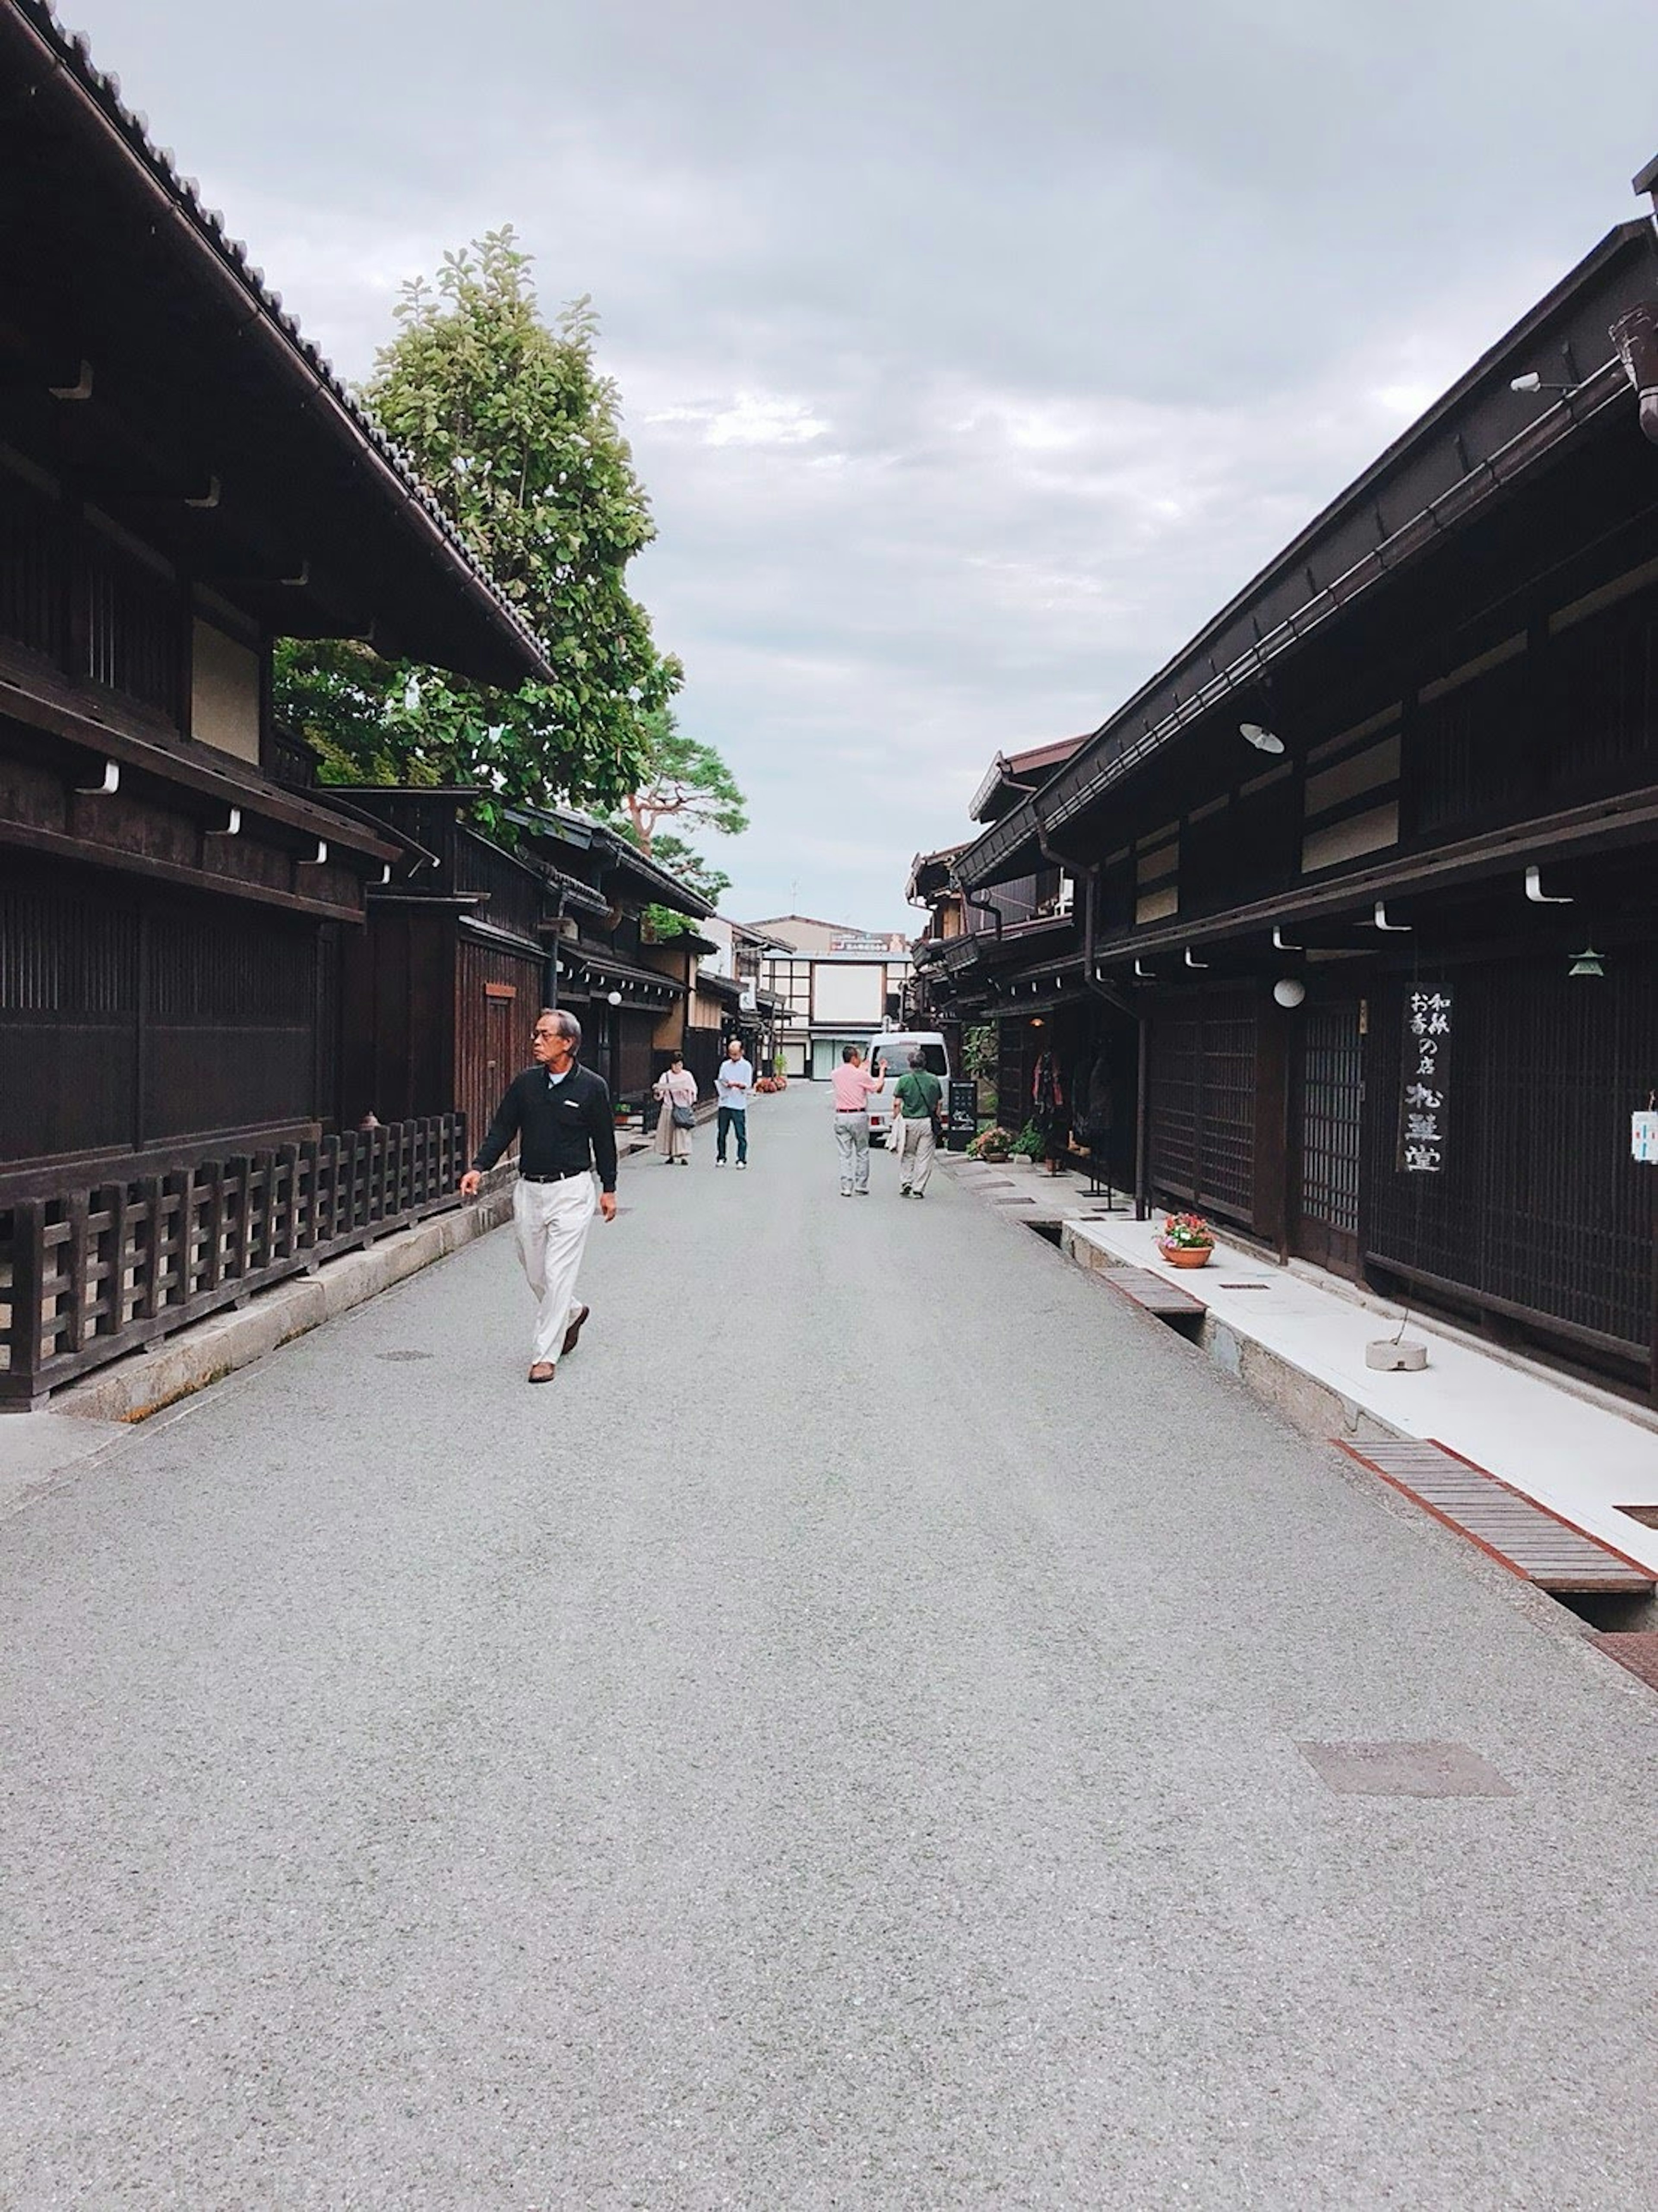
1405	1770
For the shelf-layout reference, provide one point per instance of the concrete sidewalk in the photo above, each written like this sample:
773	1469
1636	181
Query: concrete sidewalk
1573	1447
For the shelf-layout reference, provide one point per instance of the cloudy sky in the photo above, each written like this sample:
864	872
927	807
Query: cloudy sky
971	355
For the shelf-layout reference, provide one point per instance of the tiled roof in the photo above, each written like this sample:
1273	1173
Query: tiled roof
73	50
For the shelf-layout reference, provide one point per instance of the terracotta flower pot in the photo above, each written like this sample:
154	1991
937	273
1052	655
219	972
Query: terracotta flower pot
1186	1255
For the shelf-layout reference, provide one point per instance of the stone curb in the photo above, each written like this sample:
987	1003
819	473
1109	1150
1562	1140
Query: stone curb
1314	1407
133	1388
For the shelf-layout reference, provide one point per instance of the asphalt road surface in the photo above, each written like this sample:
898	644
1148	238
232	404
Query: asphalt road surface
840	1746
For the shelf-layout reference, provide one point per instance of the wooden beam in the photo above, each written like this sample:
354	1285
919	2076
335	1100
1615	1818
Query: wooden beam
25	838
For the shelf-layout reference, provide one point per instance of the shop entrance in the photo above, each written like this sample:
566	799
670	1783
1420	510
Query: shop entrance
1326	1113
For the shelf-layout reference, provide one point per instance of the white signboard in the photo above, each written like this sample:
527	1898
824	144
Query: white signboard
1643	1136
854	993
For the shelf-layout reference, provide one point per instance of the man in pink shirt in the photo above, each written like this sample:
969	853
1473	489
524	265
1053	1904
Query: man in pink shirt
853	1090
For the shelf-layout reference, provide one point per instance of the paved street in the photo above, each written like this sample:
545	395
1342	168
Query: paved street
837	1747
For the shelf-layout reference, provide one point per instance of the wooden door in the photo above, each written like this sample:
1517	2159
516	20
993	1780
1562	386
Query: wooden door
1326	1115
503	1049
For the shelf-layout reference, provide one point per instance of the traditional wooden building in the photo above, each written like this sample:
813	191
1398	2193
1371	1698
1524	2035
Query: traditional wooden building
474	936
1367	875
182	479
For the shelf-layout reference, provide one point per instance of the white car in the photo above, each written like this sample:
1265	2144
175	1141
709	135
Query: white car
894	1047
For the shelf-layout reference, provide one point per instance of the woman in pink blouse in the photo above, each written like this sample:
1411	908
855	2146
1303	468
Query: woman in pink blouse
675	1087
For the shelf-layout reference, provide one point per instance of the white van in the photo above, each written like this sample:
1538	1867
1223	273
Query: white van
895	1048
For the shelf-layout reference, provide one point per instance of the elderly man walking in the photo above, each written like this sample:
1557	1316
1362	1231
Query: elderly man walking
853	1090
560	1114
734	1085
918	1093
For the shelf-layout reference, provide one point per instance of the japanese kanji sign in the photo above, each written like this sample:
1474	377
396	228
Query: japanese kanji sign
1425	1095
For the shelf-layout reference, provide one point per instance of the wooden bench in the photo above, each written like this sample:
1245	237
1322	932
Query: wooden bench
1531	1540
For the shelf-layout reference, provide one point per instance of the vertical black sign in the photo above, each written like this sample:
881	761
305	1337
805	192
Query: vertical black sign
1425	1093
963	1113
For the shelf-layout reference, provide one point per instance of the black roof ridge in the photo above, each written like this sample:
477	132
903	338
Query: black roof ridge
74	50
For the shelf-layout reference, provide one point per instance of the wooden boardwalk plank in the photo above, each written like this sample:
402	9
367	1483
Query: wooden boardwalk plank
1531	1540
1151	1291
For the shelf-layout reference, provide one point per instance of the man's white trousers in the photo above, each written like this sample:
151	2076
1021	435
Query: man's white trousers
550	1222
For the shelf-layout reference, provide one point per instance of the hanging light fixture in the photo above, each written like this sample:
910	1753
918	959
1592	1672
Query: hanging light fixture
1587	963
1263	739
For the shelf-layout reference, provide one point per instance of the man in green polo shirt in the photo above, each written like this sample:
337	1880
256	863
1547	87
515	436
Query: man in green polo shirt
918	1094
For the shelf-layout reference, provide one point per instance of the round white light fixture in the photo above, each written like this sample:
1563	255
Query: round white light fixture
1263	741
1289	991
615	998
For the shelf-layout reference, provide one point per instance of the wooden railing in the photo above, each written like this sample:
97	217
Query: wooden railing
95	1271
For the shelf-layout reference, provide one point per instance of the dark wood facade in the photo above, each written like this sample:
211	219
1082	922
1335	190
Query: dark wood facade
182	480
1455	673
441	990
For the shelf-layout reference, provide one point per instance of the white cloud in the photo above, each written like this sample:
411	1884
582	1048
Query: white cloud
752	418
971	356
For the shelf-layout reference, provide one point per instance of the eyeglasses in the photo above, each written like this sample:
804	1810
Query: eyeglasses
552	1036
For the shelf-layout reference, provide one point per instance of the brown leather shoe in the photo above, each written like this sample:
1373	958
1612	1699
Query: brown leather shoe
543	1371
572	1333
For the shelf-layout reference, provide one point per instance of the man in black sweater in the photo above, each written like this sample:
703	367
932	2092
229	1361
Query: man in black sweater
560	1116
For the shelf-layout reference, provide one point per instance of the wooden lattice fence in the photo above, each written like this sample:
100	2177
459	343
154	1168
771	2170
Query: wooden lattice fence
90	1273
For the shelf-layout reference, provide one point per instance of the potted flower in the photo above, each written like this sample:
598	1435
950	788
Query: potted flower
1186	1241
991	1145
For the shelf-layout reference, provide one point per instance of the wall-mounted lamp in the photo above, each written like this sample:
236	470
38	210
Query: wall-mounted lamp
1635	334
1264	740
1532	382
1289	991
1036	1021
1587	963
613	998
1538	895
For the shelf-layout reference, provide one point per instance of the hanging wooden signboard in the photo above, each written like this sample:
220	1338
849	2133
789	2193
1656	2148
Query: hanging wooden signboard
1425	1093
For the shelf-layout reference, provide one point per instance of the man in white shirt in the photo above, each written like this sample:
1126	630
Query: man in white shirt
732	1086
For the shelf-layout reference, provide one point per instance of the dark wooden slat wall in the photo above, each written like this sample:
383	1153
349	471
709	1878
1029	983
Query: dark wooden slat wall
130	1016
1216	1106
1540	1209
396	1018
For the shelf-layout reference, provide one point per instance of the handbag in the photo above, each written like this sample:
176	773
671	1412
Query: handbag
684	1117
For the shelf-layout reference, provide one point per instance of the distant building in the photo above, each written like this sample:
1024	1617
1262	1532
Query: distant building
838	985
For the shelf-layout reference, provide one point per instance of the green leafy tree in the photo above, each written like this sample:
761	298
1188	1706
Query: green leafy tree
518	436
684	781
688	783
673	854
